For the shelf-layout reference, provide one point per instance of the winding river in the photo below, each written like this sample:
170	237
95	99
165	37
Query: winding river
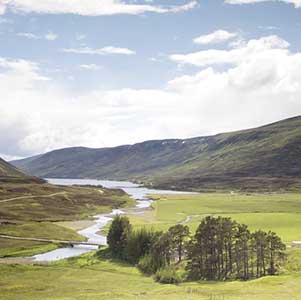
92	233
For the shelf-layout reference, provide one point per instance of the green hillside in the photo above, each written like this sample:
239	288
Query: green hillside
266	158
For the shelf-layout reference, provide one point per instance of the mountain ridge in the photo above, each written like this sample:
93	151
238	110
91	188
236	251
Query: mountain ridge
269	151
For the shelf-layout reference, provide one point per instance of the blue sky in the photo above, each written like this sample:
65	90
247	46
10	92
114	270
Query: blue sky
102	72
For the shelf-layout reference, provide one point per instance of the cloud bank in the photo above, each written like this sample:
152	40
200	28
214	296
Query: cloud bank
261	84
88	7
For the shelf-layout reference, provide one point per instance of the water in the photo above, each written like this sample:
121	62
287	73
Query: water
92	234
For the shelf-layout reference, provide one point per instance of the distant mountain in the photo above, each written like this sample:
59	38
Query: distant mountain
266	158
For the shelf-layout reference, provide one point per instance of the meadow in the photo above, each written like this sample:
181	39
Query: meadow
93	277
280	213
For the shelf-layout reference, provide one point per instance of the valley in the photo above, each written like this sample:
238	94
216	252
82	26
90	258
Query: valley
62	209
98	276
150	150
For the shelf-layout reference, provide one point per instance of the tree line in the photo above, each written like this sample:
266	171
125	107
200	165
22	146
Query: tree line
220	249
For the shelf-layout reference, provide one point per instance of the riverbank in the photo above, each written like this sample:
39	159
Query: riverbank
93	232
37	210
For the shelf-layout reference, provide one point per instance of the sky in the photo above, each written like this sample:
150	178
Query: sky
101	73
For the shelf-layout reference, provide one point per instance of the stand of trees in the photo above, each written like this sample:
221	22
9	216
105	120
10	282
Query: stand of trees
223	249
220	249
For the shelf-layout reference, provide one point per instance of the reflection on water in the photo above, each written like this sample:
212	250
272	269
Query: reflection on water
92	233
63	253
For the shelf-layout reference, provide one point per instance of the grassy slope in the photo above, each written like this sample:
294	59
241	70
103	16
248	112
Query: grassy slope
10	174
262	158
46	202
7	170
91	279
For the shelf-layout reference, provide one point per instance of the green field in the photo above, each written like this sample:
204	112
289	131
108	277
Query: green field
277	212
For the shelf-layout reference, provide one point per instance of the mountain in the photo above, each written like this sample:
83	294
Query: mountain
266	158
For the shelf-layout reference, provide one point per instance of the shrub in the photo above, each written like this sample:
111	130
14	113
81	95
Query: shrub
138	244
168	275
146	265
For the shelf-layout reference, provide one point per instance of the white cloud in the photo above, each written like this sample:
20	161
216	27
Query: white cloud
296	3
92	8
269	27
50	36
263	84
100	51
15	69
252	49
217	36
90	67
185	7
28	35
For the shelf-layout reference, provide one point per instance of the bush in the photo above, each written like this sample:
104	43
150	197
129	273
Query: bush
146	265
168	275
138	244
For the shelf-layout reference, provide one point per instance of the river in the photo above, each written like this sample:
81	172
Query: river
139	193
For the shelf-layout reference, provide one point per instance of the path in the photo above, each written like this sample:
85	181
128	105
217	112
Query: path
32	196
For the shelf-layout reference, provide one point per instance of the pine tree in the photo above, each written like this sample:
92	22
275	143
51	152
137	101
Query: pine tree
275	251
118	234
242	249
179	234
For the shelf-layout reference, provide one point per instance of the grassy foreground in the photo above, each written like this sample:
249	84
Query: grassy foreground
87	278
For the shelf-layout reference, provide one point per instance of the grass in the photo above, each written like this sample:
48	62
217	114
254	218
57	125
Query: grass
12	248
87	278
277	212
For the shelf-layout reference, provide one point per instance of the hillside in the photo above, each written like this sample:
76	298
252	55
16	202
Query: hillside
7	170
9	173
264	157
